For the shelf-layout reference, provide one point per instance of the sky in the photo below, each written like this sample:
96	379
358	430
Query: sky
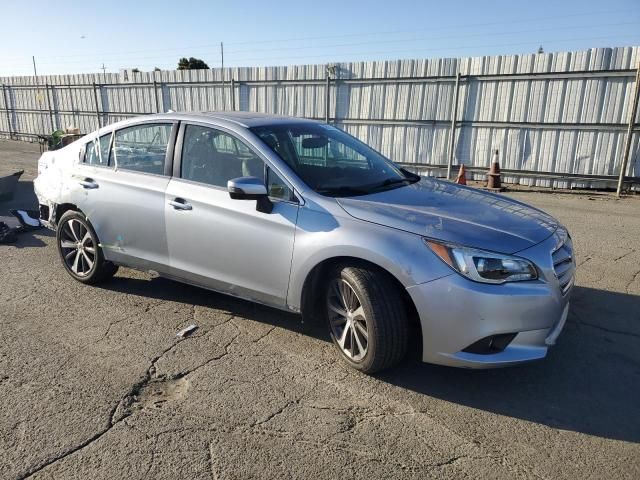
90	36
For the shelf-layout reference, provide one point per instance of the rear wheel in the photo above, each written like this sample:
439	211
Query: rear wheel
367	318
80	250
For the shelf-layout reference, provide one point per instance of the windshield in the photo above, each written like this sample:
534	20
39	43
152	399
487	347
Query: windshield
332	162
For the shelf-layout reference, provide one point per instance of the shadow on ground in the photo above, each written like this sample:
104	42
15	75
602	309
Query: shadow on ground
25	199
589	383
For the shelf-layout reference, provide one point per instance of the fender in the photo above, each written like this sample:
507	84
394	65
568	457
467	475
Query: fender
404	255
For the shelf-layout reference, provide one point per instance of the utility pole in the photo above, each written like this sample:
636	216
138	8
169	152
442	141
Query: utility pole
629	138
104	69
39	94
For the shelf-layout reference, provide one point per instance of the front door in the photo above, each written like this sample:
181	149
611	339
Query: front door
227	244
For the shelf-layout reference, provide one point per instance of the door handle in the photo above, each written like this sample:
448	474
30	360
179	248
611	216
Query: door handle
180	204
88	183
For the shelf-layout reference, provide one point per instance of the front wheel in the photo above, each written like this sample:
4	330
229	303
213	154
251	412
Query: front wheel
367	318
80	251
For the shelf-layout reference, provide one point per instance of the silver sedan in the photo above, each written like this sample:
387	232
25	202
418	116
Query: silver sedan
301	216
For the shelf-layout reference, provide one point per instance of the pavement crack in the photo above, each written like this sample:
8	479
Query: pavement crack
633	250
119	412
587	259
94	438
581	322
226	352
265	335
450	461
272	415
633	279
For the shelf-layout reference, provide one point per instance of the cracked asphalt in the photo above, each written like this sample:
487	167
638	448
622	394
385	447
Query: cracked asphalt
95	384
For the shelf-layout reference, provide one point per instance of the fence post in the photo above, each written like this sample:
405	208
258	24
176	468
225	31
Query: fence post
155	94
46	89
6	108
233	94
627	142
452	129
327	98
162	87
95	99
74	113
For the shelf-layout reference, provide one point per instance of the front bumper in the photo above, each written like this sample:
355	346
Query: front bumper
455	313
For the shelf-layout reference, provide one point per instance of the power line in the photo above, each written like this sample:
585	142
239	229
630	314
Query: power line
368	33
533	44
512	32
342	45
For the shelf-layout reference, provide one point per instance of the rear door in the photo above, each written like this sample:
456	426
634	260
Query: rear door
94	184
222	243
127	199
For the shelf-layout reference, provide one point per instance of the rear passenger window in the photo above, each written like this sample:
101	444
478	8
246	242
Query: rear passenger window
91	154
105	149
214	157
142	148
97	151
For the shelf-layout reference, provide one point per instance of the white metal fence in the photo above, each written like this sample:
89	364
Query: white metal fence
556	119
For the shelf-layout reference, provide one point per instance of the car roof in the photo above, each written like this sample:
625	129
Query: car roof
228	119
244	119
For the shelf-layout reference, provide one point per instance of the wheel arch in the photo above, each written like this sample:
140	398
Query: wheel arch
63	208
310	301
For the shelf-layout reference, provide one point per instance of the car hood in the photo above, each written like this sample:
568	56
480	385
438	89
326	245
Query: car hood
453	213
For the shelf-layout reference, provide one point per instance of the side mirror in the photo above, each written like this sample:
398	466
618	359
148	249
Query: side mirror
250	188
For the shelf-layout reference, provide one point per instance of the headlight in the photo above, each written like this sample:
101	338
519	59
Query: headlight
482	266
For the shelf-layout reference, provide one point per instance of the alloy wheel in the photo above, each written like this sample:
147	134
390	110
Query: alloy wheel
347	320
78	247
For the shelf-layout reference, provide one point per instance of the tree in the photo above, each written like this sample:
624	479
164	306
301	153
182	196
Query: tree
191	64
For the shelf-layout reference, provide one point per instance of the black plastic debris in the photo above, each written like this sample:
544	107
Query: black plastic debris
7	234
27	221
8	184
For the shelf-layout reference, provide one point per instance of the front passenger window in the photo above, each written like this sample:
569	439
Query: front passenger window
214	157
277	188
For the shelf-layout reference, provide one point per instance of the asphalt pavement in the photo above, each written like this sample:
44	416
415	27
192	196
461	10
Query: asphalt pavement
95	384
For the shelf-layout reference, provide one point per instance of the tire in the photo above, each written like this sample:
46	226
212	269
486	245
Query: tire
373	335
80	250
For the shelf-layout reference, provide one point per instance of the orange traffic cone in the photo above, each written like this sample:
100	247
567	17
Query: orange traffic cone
462	176
493	181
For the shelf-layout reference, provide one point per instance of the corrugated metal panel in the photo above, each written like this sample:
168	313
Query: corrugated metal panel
406	120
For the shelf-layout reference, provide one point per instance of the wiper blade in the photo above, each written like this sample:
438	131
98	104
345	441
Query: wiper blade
341	191
393	181
410	174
